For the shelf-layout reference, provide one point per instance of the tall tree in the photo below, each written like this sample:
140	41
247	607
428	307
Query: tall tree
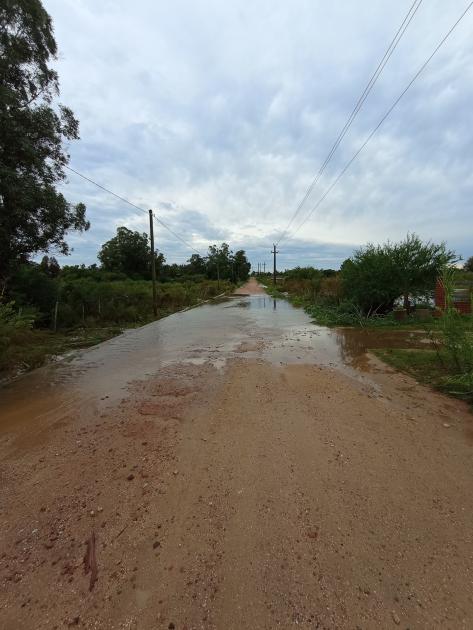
219	262
34	216
129	252
196	265
241	266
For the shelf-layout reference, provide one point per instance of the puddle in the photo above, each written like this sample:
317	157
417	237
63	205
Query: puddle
239	327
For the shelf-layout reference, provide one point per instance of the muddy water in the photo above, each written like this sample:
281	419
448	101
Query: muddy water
248	326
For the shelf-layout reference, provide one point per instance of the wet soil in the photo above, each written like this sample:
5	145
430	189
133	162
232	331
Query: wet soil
236	469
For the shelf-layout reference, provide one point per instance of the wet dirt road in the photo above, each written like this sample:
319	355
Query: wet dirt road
232	467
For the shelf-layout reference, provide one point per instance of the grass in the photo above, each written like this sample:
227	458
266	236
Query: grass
447	367
427	367
423	365
33	348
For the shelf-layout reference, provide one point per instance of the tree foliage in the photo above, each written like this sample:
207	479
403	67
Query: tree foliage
241	266
468	266
129	253
222	263
377	275
34	216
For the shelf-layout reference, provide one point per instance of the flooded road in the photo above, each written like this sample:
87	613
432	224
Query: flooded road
234	466
258	326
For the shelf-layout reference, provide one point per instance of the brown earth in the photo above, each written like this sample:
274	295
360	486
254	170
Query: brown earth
252	287
253	496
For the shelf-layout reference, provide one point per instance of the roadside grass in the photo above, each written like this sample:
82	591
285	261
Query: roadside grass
430	368
345	315
33	348
447	366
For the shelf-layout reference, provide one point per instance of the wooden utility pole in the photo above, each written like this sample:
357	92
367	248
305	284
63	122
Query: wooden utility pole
264	267
274	252
153	263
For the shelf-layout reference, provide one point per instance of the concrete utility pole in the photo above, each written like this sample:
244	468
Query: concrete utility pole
264	267
274	252
153	263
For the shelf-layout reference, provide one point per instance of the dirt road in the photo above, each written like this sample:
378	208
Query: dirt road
235	470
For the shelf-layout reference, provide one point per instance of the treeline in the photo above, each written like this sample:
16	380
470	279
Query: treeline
119	290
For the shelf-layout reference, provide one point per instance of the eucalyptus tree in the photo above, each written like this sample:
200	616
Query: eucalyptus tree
34	127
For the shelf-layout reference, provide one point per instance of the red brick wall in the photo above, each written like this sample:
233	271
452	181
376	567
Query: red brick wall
463	307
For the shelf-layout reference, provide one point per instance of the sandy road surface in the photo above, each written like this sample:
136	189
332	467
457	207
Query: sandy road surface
252	287
233	484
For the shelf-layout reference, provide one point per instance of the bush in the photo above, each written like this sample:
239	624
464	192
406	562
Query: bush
455	344
13	328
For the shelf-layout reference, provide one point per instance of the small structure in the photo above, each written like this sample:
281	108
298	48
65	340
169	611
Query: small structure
462	296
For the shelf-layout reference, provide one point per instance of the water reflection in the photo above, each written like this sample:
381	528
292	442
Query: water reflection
255	302
354	343
251	327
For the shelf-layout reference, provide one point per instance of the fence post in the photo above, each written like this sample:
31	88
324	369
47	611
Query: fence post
56	308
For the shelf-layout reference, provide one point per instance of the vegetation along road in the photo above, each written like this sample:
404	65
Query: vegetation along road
233	466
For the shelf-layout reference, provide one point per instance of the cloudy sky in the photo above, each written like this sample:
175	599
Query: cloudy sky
219	114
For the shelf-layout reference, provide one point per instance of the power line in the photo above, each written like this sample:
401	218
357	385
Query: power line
414	78
387	55
134	206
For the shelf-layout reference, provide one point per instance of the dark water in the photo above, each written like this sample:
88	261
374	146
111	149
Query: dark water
240	327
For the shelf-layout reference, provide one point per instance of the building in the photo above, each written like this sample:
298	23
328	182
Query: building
462	296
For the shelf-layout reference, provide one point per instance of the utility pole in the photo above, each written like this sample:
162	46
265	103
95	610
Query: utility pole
153	263
264	267
274	252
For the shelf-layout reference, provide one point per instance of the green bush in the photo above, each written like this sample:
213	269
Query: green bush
14	327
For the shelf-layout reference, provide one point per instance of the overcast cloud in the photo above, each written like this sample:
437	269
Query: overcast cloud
219	114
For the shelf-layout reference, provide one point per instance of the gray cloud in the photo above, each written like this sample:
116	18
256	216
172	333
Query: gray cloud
220	114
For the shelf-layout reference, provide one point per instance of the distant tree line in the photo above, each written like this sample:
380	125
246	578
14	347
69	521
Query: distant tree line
118	289
129	253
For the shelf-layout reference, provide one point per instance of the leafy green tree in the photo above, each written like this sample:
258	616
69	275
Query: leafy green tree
34	216
33	288
129	252
468	266
368	279
418	265
377	275
219	264
50	266
196	265
241	266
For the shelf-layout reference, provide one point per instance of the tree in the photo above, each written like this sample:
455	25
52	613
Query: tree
241	266
31	286
219	262
34	216
196	265
468	266
376	275
50	266
368	279
418	265
130	253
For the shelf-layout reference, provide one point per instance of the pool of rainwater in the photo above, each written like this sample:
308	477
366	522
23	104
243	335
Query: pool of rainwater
244	327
